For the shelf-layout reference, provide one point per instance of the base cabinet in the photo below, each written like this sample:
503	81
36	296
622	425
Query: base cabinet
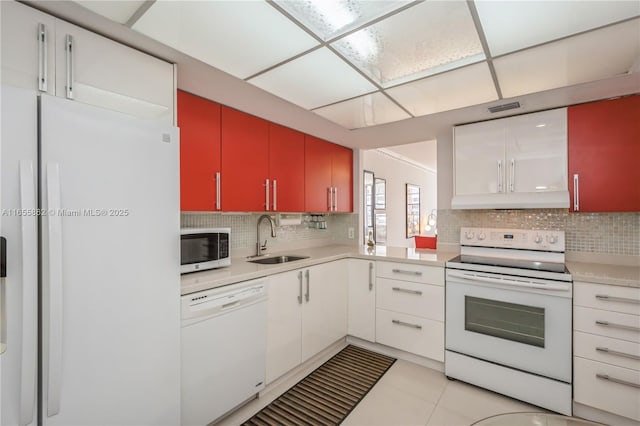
606	337
306	313
362	299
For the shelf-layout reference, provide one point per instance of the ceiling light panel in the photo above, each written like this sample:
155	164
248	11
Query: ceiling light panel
331	18
239	37
316	79
459	88
367	110
591	56
425	39
119	11
514	25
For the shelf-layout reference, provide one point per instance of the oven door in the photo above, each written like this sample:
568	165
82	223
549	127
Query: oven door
517	322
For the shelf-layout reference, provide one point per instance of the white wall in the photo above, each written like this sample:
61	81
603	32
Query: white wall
397	174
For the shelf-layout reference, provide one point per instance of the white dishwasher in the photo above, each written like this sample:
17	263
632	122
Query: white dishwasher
223	349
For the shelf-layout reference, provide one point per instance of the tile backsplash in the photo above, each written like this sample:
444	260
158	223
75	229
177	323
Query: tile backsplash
607	233
289	237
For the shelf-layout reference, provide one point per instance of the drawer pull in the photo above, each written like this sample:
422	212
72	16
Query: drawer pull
402	271
620	326
406	290
620	381
609	351
407	324
608	298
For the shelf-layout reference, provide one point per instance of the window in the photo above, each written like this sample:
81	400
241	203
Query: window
413	210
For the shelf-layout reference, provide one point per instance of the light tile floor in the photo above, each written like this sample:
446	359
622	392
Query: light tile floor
409	394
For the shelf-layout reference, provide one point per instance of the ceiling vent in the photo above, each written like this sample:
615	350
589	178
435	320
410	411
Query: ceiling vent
504	107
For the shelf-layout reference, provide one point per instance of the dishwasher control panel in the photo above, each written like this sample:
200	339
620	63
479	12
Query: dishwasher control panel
221	299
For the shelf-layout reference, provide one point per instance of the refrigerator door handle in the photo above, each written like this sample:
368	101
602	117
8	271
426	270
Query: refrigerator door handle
54	257
29	294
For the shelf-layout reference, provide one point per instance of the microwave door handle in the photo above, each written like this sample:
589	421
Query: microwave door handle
506	281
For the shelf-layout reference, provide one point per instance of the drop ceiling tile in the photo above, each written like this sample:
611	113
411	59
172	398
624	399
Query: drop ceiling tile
454	89
367	110
514	25
313	80
328	19
425	39
238	37
117	10
591	56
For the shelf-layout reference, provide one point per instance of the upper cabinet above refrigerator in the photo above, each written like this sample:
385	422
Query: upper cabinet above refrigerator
56	57
514	162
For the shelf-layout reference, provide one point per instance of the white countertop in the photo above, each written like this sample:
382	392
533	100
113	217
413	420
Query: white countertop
242	270
598	273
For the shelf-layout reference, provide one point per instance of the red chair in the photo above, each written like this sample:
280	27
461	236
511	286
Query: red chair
426	242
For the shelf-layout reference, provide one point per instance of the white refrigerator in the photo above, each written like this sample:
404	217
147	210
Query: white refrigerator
91	298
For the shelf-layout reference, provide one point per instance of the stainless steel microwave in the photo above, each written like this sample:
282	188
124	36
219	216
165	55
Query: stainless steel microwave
204	248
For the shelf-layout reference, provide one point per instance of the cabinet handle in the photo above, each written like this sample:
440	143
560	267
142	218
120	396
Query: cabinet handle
620	326
619	381
217	178
266	194
607	298
335	198
406	290
42	58
306	296
70	65
576	192
499	175
370	276
623	354
407	324
275	195
512	175
329	198
402	271
300	293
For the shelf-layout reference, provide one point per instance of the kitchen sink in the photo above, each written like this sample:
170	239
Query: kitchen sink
277	259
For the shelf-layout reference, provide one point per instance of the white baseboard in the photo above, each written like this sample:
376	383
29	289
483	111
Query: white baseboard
595	415
397	353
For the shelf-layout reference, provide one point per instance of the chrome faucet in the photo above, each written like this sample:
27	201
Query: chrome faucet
261	248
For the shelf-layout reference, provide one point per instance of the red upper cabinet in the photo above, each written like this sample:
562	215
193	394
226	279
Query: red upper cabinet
286	169
199	122
328	176
604	149
245	161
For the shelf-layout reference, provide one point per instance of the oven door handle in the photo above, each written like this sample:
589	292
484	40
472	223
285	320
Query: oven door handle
508	282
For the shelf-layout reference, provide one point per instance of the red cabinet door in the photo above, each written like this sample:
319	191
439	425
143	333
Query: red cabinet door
342	178
199	122
604	152
317	174
286	169
245	161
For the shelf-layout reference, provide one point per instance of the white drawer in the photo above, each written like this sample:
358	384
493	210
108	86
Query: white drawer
605	349
422	300
417	335
606	323
607	297
411	272
607	395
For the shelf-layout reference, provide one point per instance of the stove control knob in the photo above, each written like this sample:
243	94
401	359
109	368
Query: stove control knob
552	239
481	236
538	239
469	235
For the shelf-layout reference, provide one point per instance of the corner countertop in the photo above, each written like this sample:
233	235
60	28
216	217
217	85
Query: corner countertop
242	270
599	273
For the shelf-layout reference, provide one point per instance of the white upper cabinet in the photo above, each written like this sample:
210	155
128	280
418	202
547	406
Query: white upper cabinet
47	54
514	162
28	58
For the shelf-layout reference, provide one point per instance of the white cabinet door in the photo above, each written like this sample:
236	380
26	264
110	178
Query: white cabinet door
101	72
362	299
479	158
536	152
284	320
25	57
324	317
